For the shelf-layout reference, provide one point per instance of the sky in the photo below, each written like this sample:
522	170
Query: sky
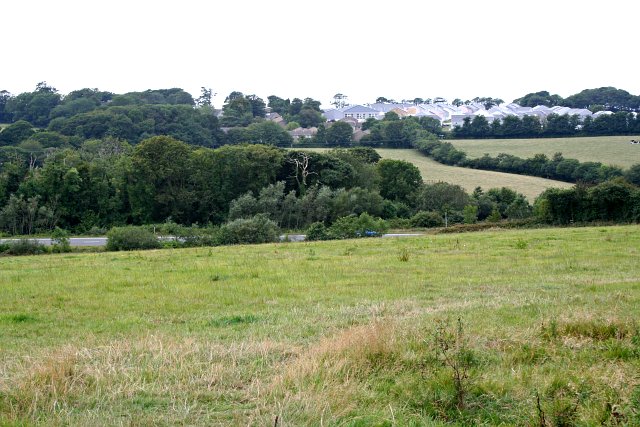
363	49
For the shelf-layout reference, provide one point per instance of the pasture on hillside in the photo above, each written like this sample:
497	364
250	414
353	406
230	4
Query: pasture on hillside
356	332
609	150
469	179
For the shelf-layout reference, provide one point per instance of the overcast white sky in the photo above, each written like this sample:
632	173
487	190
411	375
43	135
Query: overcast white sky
364	49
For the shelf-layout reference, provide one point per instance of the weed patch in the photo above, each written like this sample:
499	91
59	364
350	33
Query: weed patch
20	318
233	320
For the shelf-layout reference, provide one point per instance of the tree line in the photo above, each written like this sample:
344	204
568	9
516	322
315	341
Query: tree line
106	160
598	99
107	182
554	125
557	167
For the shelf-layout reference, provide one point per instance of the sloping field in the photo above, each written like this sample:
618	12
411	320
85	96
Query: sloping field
610	150
472	178
340	333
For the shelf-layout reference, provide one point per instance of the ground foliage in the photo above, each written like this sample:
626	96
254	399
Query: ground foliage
358	332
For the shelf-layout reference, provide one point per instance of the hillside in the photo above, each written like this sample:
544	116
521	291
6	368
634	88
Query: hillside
609	150
472	178
334	333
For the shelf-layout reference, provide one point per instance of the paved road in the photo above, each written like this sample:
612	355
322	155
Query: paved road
102	241
73	241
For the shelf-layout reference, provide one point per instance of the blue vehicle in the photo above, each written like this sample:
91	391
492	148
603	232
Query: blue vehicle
367	233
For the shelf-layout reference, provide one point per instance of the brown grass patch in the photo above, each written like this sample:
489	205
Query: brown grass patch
325	379
178	374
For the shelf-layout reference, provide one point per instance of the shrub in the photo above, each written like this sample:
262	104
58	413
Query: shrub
317	231
25	247
60	241
399	223
193	236
427	219
494	216
96	231
257	229
353	226
470	214
131	238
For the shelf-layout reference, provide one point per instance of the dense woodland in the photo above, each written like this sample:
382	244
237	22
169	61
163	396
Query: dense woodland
92	160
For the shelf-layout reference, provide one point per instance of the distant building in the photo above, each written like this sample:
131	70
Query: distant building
449	114
358	112
303	133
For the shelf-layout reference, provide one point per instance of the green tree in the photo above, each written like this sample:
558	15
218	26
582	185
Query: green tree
539	98
268	133
480	127
610	97
440	196
470	214
278	105
257	105
34	107
340	133
495	215
238	111
309	117
159	184
206	95
16	133
221	175
5	115
519	208
399	180
633	174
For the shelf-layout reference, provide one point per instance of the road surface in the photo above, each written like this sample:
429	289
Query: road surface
102	241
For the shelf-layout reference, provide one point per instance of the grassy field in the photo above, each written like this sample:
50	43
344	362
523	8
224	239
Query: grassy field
347	333
472	178
610	150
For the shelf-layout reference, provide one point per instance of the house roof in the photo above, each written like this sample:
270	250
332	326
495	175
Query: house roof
358	109
383	107
303	132
602	113
400	112
333	114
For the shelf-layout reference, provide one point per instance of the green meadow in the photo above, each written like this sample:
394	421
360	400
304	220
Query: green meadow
348	333
609	150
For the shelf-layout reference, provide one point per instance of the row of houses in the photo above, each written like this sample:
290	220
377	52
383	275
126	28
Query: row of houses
451	115
448	115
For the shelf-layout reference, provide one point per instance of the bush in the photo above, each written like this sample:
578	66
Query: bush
401	223
193	237
317	231
352	226
470	214
96	231
131	238
427	219
257	229
60	241
25	247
